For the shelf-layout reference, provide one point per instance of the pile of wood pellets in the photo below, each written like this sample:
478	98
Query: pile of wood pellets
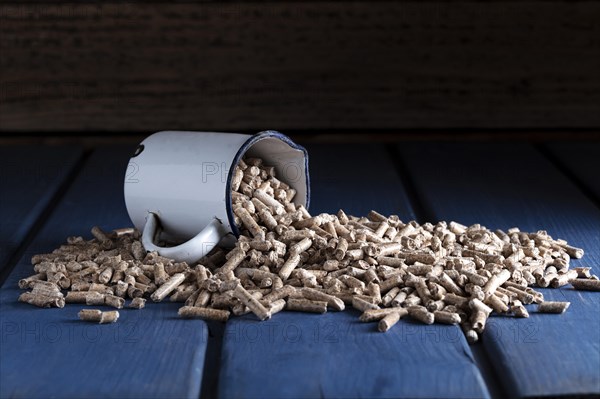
286	258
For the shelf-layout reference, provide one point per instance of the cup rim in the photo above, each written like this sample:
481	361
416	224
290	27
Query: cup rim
240	153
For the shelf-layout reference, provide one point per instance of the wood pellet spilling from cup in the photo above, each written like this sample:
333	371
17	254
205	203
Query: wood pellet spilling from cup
286	258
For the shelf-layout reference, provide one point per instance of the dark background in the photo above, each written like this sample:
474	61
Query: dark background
408	69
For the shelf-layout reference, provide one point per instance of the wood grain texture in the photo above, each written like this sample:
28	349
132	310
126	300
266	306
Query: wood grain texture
506	185
50	353
334	355
30	177
581	161
73	66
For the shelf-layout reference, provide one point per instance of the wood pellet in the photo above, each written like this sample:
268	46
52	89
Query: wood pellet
288	259
98	316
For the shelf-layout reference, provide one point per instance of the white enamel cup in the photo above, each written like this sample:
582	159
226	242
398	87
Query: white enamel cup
178	186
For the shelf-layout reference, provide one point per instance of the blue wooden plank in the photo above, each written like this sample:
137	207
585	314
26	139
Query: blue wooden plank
581	159
30	176
356	178
336	356
50	353
297	355
507	185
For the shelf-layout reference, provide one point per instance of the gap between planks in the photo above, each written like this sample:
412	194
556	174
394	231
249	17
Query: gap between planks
47	209
425	213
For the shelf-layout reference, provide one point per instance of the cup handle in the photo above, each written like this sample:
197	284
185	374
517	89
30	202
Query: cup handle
190	251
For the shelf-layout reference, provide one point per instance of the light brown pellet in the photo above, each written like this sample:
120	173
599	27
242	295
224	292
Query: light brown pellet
342	247
362	305
496	303
399	298
518	309
42	301
165	289
553	307
290	264
101	237
441	316
236	257
389	297
251	302
370	315
316	295
421	314
27	282
281	293
478	320
300	246
114	301
585	284
583	272
249	223
276	306
495	281
77	296
160	275
94	298
305	305
388	321
137	303
97	316
190	312
269	201
564	279
470	334
457	300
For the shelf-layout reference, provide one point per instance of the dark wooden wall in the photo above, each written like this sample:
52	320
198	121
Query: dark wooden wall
135	67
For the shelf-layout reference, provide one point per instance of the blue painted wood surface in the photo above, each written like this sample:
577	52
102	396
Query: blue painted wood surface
152	353
356	178
336	356
30	177
581	160
50	353
297	355
506	185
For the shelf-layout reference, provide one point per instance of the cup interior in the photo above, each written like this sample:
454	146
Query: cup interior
289	159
